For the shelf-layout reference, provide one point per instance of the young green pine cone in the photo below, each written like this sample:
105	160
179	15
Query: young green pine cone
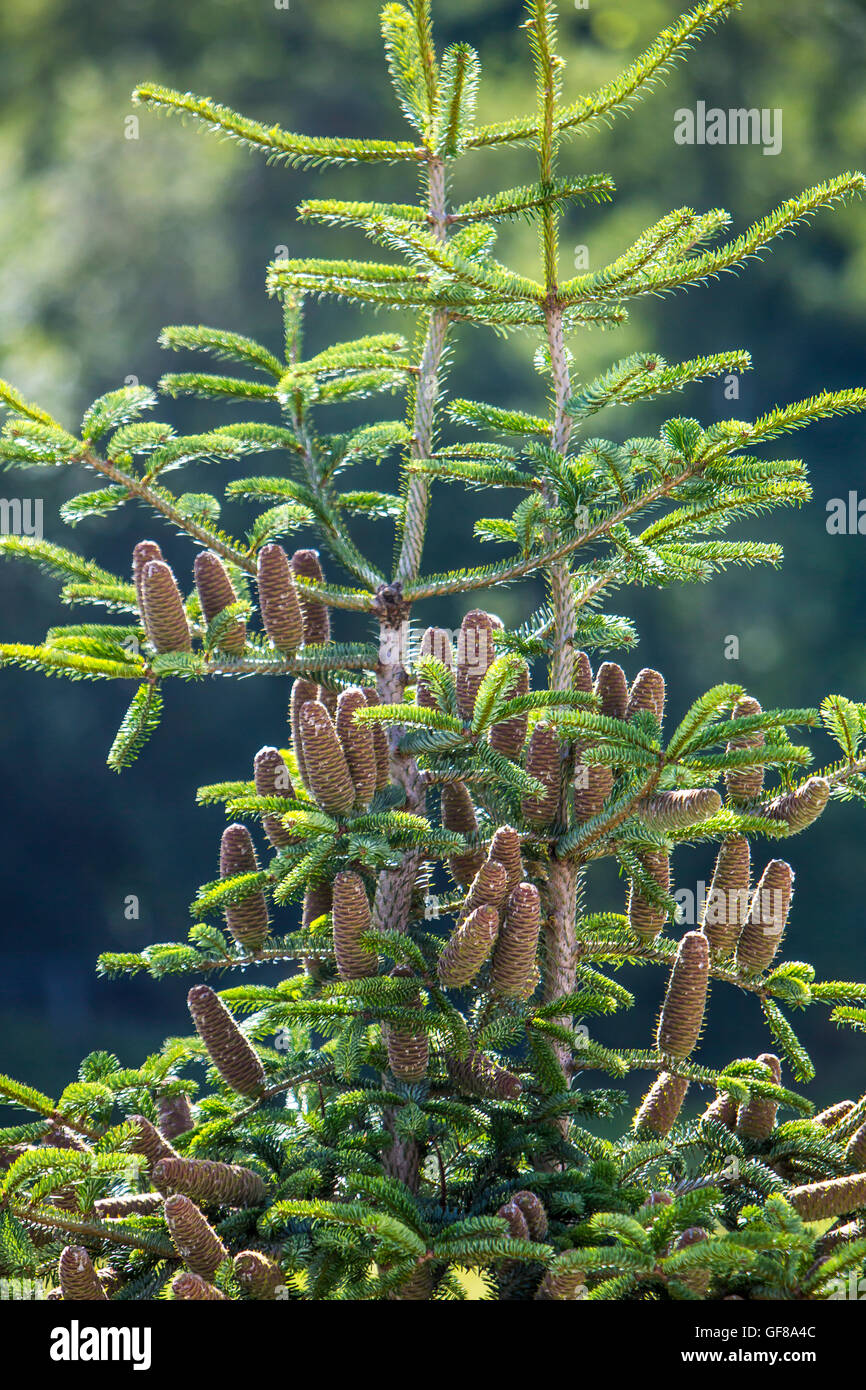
488	889
756	1117
682	1014
479	1076
475	654
314	615
509	736
408	1052
593	783
647	693
855	1150
351	918
517	1225
272	779
258	1275
188	1287
458	814
517	943
581	676
800	807
833	1114
544	764
216	593
644	917
231	1053
193	1237
302	693
78	1279
278	599
326	770
468	948
380	743
768	913
723	1111
534	1212
149	1142
246	919
435	642
357	741
142	555
818	1200
745	783
662	1104
727	902
223	1184
679	809
165	620
611	687
505	850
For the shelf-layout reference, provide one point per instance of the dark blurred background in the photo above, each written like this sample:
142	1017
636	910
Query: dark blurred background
104	239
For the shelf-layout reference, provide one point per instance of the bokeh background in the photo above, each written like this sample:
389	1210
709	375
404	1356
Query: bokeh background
104	239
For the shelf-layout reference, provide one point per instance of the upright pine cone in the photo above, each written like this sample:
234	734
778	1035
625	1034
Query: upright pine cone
509	736
318	899
517	943
247	919
756	1117
488	888
357	741
727	902
505	849
479	1076
408	1052
518	1229
581	676
802	806
302	693
175	1115
328	698
149	1142
745	783
142	555
593	783
272	778
458	814
723	1111
216	593
79	1281
647	693
679	809
475	654
380	743
258	1276
163	612
193	1237
221	1184
435	642
326	770
682	1014
836	1197
468	948
611	687
351	918
544	764
314	615
191	1287
768	913
278	599
231	1053
534	1211
662	1104
644	917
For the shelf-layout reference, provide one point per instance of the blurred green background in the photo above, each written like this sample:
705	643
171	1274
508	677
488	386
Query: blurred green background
104	239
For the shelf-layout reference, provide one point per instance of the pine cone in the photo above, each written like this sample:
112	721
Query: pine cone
543	762
505	850
488	889
380	743
246	919
458	814
727	903
581	676
800	807
593	783
662	1104
193	1237
517	943
278	599
163	611
190	1286
258	1276
855	1151
79	1281
756	1117
318	900
611	687
272	778
408	1052
327	772
679	809
351	918
435	642
216	593
836	1197
723	1111
142	555
743	783
768	913
231	1053
509	736
682	1014
833	1114
149	1142
223	1184
357	741
468	948
534	1211
314	615
302	693
517	1226
644	917
479	1076
475	655
567	1287
328	698
130	1204
647	693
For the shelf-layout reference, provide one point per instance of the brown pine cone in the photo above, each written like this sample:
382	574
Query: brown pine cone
468	948
164	615
836	1197
408	1052
357	741
351	918
327	772
314	615
193	1237
458	814
479	1076
509	736
647	693
246	919
644	917
488	888
380	743
745	783
764	926
191	1286
581	678
216	593
611	687
223	1184
278	599
258	1275
149	1142
517	944
229	1050
662	1104
534	1211
505	850
302	693
801	807
727	904
79	1281
271	776
435	642
682	1014
143	553
543	762
475	655
756	1117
